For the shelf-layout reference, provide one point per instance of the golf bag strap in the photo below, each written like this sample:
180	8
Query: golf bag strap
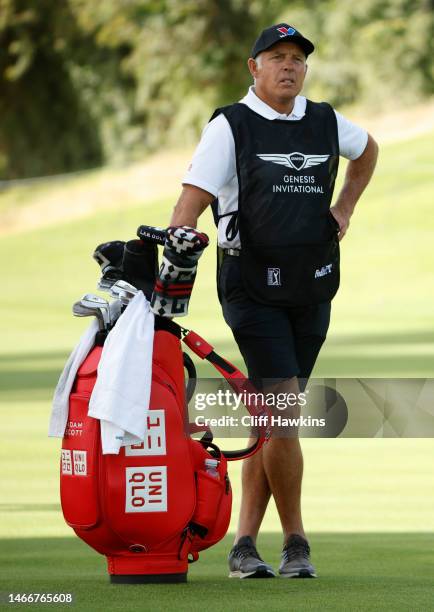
238	382
186	540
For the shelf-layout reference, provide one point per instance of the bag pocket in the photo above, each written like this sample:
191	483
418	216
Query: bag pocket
79	466
292	275
230	281
209	492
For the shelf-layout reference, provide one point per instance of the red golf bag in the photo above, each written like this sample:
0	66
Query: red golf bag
153	507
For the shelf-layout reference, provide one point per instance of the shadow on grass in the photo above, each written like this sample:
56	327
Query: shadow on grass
381	571
384	339
30	508
37	356
19	381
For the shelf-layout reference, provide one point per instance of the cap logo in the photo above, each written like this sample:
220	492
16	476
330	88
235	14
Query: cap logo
285	31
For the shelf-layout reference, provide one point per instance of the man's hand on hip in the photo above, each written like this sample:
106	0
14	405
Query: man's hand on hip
358	175
343	219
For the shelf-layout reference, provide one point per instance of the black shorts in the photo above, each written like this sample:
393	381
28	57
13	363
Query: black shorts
275	342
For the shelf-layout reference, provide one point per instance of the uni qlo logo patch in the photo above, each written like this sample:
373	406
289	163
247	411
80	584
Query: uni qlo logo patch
283	31
146	489
79	459
66	461
154	442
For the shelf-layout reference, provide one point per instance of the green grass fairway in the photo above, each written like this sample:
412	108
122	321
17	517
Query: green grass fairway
367	503
358	572
382	322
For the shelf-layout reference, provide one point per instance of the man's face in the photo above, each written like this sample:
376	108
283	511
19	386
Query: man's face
280	72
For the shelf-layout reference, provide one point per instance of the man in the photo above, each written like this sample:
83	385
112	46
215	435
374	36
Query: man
271	160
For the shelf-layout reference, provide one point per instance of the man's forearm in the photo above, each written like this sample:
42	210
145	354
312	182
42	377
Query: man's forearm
191	204
357	177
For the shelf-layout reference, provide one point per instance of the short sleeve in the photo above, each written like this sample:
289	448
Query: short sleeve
213	164
352	138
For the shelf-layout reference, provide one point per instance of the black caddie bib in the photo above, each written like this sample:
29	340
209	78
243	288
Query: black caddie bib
286	175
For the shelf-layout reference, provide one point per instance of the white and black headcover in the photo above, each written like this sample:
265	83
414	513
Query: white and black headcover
183	247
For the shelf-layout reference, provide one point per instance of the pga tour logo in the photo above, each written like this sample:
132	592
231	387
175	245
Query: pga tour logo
323	271
273	277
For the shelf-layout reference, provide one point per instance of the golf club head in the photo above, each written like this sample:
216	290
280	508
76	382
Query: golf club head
122	285
80	310
95	301
110	277
115	311
125	297
104	284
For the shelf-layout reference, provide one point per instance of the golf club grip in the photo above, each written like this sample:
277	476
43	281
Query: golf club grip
149	233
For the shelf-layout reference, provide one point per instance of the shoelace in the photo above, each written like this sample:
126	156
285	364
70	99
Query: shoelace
296	549
245	551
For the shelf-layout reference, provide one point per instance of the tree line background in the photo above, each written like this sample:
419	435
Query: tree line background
86	83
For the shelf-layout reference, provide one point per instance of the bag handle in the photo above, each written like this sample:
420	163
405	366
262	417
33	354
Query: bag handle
239	383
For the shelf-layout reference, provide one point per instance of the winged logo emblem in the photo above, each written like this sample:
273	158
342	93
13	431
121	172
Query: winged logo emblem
296	160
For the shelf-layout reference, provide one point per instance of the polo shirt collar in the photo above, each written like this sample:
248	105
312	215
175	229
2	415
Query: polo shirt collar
259	106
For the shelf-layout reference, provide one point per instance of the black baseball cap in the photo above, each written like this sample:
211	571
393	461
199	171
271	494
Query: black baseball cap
282	32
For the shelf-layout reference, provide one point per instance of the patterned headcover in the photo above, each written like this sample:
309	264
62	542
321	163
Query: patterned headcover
183	247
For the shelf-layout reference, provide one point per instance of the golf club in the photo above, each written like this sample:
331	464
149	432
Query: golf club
124	287
124	291
91	300
79	310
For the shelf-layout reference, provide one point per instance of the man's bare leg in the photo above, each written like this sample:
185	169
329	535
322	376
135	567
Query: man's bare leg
278	469
283	466
254	497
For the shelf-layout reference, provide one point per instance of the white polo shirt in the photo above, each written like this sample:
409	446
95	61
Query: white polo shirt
213	167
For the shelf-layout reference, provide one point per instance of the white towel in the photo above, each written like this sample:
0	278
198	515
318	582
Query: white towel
120	398
60	408
113	437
